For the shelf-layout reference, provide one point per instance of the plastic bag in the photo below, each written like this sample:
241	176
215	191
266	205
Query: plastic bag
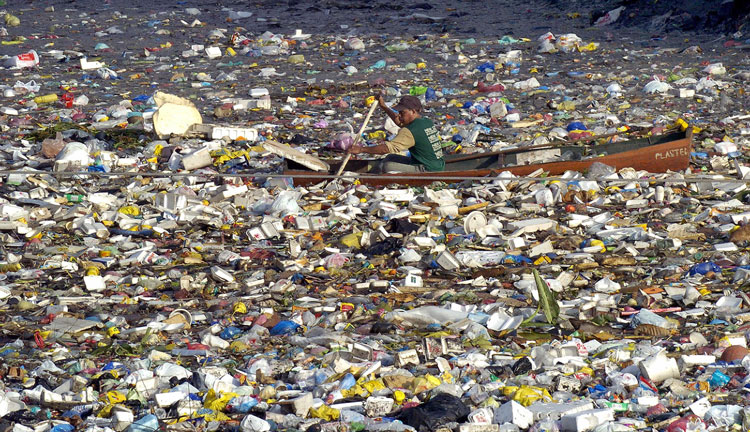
384	247
286	204
51	147
440	410
30	86
252	423
656	86
402	226
335	261
27	59
715	69
74	152
599	170
342	142
609	17
645	316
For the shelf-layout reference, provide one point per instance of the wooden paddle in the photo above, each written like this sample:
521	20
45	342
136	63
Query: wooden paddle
358	137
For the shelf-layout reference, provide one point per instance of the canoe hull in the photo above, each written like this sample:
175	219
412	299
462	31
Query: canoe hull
673	155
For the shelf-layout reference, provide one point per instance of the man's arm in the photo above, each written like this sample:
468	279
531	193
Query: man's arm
374	150
392	114
403	141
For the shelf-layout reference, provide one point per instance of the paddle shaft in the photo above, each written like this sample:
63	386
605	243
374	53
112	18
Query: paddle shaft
358	137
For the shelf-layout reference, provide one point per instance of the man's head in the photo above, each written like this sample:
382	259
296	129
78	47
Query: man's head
409	109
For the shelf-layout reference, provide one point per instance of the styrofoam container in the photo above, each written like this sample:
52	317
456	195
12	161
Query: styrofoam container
447	261
658	367
219	132
213	52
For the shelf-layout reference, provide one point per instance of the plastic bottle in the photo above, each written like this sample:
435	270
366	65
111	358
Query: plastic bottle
296	59
45	99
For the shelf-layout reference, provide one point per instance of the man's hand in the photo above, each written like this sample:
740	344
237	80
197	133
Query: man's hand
381	101
392	114
357	149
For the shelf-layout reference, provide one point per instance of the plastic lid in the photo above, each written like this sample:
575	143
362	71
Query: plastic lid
474	221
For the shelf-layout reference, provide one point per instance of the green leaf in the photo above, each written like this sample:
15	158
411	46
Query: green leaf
547	300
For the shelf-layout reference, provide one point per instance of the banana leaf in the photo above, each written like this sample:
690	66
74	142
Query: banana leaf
547	300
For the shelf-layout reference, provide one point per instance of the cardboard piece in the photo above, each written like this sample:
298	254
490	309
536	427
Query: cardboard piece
287	152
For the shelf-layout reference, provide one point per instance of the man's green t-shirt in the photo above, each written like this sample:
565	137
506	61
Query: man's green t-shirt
428	149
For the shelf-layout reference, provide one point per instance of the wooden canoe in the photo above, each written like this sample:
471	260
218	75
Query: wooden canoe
669	152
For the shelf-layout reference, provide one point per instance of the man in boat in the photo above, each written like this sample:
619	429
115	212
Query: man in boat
417	134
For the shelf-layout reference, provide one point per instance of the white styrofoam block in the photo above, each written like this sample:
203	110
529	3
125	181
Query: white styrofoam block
213	52
258	92
89	65
168	398
684	93
407	357
697	360
586	420
636	203
302	404
414	281
541	249
263	103
377	406
514	412
198	159
555	411
725	147
516	243
482	416
531	225
171	201
94	283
